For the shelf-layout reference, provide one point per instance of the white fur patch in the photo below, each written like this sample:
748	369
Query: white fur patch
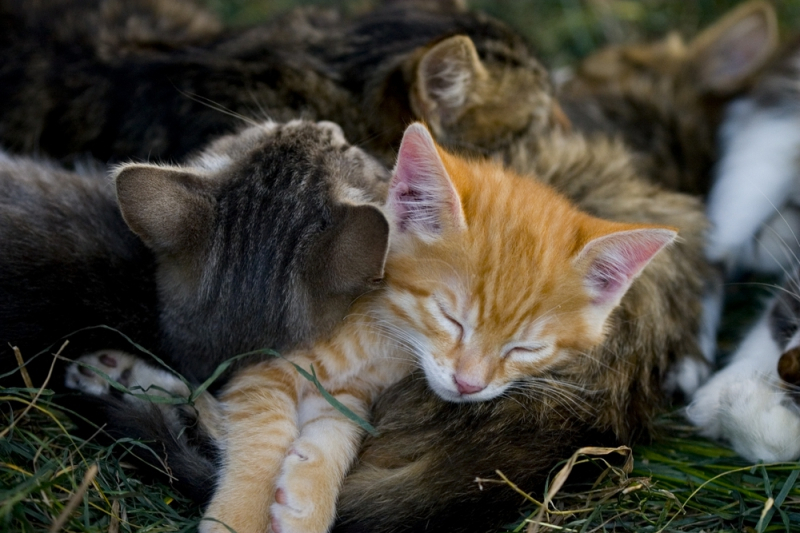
743	404
756	173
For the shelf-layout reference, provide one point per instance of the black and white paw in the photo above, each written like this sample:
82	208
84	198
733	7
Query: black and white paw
131	372
85	374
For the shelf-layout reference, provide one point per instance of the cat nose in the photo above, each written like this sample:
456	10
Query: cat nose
465	387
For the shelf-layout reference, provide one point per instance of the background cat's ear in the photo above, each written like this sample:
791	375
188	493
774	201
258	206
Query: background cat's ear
446	78
610	263
164	206
422	199
729	53
354	260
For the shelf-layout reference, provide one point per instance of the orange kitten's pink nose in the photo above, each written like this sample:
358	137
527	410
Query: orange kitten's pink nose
465	387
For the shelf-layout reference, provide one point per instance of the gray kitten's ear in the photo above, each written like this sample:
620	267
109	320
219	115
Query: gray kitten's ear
726	55
447	77
355	258
166	207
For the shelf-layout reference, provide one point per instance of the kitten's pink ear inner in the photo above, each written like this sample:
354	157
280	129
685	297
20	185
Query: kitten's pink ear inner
422	198
614	261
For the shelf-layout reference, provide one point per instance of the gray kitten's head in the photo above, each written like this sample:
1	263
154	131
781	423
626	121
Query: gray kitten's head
262	240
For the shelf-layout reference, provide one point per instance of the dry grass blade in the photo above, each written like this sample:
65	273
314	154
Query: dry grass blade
22	370
75	499
566	470
38	394
113	524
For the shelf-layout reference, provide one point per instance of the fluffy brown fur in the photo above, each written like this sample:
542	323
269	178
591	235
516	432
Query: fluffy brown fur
665	99
70	68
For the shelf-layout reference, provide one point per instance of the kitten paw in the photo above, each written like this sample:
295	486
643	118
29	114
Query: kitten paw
686	376
127	370
753	414
305	497
115	364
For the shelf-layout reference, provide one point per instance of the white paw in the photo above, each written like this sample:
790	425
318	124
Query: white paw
686	376
753	414
116	365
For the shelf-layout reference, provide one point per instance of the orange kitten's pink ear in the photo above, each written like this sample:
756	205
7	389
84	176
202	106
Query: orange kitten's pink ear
422	199
611	263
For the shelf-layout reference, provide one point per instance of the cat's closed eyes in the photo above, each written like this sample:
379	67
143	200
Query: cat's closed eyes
491	279
263	239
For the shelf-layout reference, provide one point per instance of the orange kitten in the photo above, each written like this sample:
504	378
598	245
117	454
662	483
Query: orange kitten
490	278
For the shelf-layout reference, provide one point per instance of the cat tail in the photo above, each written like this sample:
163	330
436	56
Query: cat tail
168	442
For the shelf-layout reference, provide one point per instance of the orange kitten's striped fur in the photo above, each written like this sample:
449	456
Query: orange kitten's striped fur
490	278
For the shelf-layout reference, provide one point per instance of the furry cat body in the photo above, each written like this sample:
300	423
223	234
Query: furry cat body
666	98
398	483
372	75
272	238
753	204
753	207
69	261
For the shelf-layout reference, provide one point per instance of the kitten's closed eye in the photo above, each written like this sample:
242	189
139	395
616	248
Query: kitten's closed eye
458	327
523	350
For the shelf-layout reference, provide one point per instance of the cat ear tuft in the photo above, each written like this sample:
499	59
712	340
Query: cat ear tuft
729	53
164	206
447	76
422	199
354	260
611	263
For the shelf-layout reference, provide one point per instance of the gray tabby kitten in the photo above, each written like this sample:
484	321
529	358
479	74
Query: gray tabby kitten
262	240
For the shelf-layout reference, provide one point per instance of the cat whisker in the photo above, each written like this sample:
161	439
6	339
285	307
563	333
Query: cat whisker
218	107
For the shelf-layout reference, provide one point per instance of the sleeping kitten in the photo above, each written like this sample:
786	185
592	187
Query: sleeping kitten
747	403
419	473
461	72
263	239
491	280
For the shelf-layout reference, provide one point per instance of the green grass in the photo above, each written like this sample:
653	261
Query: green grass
48	476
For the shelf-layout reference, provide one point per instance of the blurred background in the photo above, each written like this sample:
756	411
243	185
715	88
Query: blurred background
562	31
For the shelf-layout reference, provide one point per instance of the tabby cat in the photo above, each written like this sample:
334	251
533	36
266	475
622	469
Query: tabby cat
491	280
470	77
189	270
666	98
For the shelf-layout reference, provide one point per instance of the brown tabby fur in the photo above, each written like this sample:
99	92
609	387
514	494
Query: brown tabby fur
665	99
66	87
